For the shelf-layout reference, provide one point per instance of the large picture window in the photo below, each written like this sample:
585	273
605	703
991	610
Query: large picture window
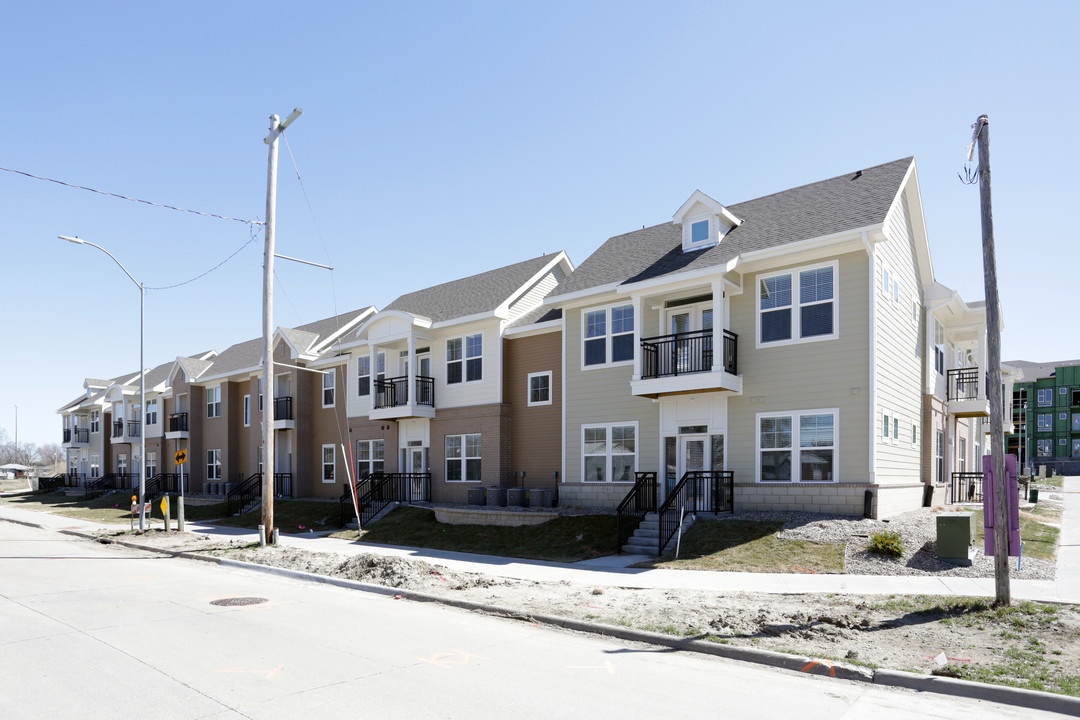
609	452
797	446
797	306
608	335
463	458
465	359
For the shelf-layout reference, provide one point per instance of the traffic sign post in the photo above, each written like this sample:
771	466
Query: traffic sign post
181	460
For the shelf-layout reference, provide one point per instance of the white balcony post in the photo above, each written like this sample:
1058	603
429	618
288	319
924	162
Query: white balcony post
410	386
639	319
719	322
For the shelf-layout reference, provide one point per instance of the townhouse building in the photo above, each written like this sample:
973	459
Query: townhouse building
781	342
1045	411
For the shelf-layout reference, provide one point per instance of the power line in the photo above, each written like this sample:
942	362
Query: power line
125	197
254	234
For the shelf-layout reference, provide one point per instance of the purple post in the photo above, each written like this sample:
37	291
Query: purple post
990	508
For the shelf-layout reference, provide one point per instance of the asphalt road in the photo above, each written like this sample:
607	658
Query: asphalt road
101	631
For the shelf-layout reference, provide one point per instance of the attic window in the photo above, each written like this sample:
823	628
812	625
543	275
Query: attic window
699	231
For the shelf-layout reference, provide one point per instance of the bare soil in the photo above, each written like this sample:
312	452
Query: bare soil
893	632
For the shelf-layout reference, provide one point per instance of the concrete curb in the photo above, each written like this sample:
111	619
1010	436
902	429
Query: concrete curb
1033	699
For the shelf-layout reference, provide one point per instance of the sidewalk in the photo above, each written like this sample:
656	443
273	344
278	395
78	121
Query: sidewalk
613	571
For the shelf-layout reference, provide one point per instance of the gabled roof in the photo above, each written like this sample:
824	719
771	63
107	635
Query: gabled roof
332	328
474	295
300	341
192	367
855	200
235	358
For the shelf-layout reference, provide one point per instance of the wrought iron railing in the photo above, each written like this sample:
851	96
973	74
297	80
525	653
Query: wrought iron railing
162	483
283	408
134	428
711	491
245	497
49	484
393	487
283	485
684	353
118	428
98	484
123	480
345	503
74	479
178	422
80	435
966	487
67	435
963	384
640	501
394	392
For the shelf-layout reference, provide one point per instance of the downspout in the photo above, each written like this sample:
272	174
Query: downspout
871	394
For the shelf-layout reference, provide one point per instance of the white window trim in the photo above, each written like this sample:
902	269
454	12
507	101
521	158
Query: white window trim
464	360
331	374
607	467
369	463
796	316
465	457
608	336
247	411
796	449
216	403
151	410
213	460
332	463
713	237
528	389
95	421
360	376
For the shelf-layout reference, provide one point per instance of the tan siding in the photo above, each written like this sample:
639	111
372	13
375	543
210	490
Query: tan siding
493	424
535	431
805	376
325	426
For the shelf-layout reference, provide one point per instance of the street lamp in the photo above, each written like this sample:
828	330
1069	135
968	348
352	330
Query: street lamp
142	376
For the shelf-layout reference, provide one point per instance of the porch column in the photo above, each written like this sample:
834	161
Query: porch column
410	387
373	358
719	322
639	319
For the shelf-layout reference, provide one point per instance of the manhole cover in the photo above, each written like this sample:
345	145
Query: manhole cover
230	602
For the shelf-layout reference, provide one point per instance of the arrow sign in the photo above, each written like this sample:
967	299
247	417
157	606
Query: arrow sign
181	457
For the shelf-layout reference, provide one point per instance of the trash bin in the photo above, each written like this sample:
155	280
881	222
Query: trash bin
496	496
927	496
1033	495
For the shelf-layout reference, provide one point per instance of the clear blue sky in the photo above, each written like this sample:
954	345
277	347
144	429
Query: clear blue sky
443	139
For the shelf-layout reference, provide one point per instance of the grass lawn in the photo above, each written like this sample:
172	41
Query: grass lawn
290	516
110	508
1040	540
743	546
563	539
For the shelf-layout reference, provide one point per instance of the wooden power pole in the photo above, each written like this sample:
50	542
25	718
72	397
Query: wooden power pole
993	336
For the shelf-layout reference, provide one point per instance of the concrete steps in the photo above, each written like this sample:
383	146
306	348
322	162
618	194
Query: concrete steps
647	536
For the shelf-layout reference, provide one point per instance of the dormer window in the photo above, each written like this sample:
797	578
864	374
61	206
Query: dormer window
699	232
704	222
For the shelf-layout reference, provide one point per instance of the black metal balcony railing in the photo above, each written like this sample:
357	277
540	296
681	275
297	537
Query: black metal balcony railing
684	353
80	435
118	429
283	408
394	392
964	384
67	435
966	487
178	422
134	428
283	485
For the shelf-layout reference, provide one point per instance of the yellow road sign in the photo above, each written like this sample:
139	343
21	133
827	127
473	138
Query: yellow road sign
164	505
181	457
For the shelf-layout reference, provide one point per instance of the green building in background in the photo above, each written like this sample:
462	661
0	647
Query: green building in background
1045	415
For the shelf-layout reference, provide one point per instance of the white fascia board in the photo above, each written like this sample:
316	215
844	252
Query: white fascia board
678	279
332	361
823	242
918	220
319	346
580	294
359	339
504	308
547	326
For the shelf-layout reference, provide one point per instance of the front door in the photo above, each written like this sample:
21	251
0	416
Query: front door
692	454
414	460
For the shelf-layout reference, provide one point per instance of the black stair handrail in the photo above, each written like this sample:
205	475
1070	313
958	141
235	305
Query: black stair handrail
98	484
640	501
243	496
393	487
55	482
73	479
161	484
346	497
698	491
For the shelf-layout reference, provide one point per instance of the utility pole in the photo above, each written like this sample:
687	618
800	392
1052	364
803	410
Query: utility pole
276	128
993	334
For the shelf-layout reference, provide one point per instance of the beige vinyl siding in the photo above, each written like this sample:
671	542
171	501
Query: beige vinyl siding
805	376
898	350
602	395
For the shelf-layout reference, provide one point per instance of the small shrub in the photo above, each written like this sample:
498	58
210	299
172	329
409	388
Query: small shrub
886	542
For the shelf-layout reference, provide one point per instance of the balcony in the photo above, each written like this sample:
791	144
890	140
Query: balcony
76	437
283	413
393	399
686	363
967	394
126	432
178	427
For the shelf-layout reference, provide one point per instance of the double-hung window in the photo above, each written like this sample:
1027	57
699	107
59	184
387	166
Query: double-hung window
939	347
608	335
465	359
151	412
363	375
369	458
1044	448
95	466
95	421
540	388
328	463
213	464
463	458
213	402
798	306
797	446
609	452
329	381
151	465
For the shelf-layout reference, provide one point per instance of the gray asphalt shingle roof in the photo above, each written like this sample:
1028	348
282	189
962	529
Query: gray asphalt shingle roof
473	295
822	208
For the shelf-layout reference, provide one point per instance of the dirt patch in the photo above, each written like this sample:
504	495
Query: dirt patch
897	632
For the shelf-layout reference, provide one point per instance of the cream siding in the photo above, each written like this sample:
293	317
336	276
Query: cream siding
536	293
898	350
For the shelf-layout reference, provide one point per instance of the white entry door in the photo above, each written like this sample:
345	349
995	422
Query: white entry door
692	454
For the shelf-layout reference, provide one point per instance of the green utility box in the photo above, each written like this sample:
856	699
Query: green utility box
956	537
1033	495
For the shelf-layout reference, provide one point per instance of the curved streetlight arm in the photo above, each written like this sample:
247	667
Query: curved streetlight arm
80	241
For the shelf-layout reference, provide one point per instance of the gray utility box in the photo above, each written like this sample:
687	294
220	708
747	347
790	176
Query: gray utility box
956	537
476	496
515	497
496	496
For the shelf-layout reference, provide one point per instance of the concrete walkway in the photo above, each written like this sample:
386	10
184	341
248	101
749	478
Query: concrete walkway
613	571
